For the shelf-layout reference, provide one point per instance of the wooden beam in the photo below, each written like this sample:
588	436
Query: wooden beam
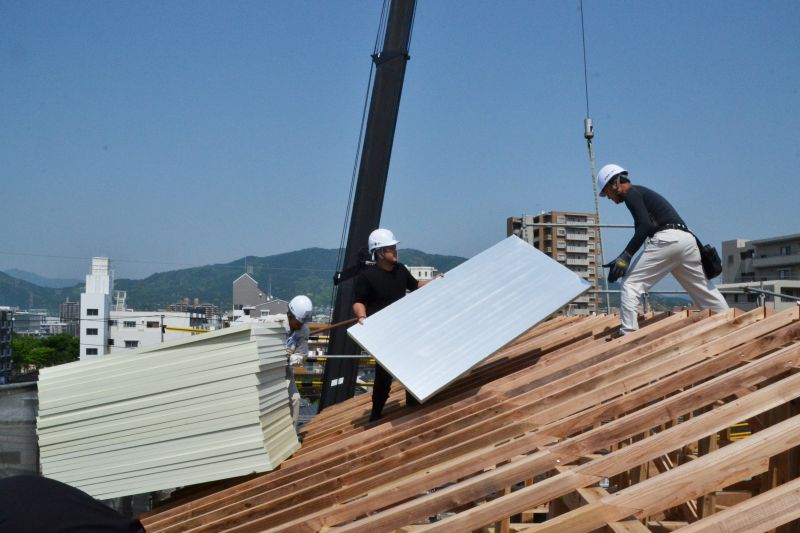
766	511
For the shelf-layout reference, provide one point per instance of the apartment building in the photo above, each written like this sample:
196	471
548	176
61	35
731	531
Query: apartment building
6	328
571	242
771	264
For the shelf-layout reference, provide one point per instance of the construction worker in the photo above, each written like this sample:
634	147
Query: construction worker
300	309
669	247
376	287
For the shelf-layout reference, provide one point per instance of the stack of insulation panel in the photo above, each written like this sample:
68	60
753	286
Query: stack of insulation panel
208	407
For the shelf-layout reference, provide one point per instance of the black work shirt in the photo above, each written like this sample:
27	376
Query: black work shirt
377	288
650	211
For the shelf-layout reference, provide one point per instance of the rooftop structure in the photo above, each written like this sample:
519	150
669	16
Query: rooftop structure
563	425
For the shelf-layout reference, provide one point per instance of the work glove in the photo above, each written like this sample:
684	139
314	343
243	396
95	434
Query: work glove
295	359
619	267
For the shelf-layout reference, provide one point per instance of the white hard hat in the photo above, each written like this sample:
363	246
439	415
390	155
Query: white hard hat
381	238
301	307
605	175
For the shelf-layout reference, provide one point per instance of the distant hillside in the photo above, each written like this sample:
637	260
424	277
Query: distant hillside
19	293
41	281
308	271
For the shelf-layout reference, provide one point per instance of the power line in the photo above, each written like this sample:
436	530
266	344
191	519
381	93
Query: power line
155	262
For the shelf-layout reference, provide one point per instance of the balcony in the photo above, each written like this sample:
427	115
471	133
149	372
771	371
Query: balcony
776	261
577	236
577	249
577	262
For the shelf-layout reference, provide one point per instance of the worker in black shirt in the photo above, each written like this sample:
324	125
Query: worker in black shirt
379	286
669	247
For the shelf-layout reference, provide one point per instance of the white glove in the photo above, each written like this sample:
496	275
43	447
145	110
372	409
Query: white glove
295	359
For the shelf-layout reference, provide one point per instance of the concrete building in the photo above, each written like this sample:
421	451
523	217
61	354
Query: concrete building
129	329
70	315
209	310
423	273
571	243
30	322
771	264
95	309
250	301
6	328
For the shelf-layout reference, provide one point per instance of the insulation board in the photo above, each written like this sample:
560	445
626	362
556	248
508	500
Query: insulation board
437	333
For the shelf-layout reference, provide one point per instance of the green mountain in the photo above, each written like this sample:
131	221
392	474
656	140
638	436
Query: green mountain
308	271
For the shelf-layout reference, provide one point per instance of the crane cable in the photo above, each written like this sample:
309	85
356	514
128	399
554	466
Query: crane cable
588	134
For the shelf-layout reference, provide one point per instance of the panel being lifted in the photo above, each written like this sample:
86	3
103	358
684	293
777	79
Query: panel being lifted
435	334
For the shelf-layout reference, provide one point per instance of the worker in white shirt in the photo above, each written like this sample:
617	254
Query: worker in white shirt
300	309
669	247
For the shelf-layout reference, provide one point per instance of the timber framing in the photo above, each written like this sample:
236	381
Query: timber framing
567	426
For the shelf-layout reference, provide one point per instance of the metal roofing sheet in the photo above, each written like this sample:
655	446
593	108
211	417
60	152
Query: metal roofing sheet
437	333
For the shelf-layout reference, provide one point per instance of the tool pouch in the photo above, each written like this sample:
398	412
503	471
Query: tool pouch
709	257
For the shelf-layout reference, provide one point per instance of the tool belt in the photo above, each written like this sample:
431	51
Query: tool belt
681	227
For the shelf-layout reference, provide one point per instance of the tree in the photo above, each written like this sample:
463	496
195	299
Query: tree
38	352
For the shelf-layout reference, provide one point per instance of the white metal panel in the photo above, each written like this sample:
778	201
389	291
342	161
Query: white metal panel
437	333
188	411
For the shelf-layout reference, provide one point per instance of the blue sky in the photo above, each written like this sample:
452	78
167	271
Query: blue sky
185	133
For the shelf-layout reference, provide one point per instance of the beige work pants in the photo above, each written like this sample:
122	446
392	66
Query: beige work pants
668	251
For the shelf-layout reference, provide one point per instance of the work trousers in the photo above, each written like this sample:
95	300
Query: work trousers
668	251
380	392
294	395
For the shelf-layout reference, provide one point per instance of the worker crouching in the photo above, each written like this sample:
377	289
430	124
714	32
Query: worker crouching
669	247
300	311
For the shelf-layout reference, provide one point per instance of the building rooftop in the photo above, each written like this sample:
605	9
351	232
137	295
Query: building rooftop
773	240
628	434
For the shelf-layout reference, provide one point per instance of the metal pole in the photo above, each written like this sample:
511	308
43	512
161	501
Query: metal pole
390	68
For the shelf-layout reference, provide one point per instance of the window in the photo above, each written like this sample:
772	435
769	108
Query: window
153	324
730	259
131	344
785	273
112	323
91	331
91	312
129	324
91	351
111	342
786	250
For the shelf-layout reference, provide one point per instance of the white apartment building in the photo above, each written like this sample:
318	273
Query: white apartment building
422	273
129	329
95	308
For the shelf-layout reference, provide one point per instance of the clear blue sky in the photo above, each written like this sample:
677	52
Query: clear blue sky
200	132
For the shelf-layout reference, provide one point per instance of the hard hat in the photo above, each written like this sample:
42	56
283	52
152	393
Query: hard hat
301	307
605	175
381	238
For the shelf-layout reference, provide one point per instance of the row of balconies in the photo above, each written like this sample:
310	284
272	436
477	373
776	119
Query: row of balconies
776	261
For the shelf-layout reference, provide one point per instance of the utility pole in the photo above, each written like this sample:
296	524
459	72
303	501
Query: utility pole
390	68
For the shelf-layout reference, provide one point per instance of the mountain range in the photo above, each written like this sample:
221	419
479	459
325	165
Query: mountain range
309	271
